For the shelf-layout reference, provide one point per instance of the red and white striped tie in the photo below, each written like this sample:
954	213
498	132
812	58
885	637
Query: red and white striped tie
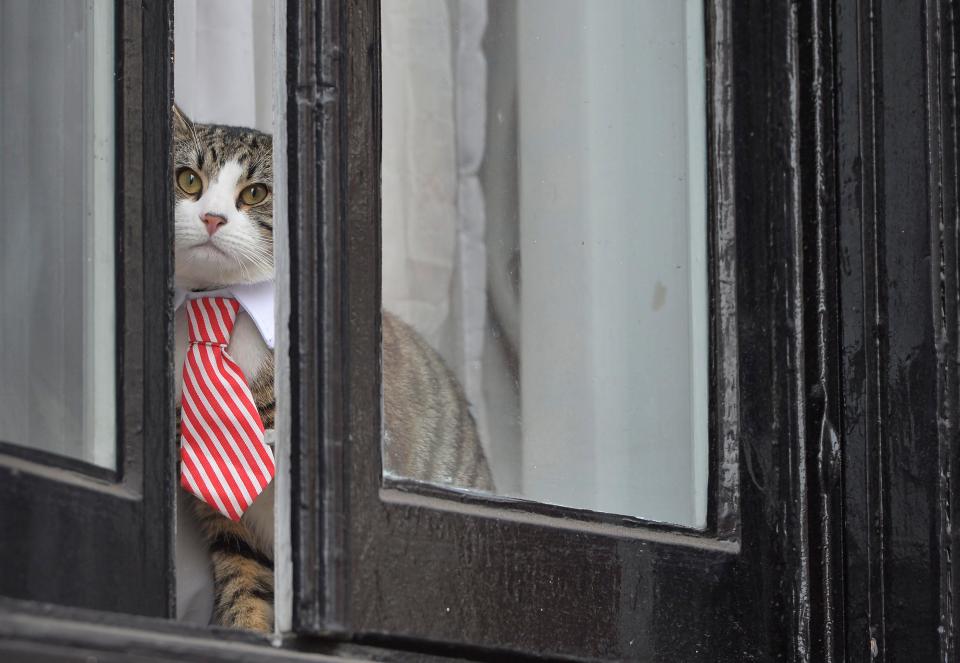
224	460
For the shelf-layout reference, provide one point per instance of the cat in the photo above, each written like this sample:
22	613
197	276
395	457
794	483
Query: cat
425	411
223	227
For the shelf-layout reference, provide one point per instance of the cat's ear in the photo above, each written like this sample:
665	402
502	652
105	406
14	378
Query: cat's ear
182	126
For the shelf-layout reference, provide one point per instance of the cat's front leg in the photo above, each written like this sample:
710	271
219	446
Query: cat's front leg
242	575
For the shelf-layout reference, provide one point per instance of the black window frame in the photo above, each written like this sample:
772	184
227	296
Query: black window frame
844	505
68	514
456	559
898	224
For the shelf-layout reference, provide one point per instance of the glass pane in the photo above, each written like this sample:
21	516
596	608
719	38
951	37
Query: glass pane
57	318
544	231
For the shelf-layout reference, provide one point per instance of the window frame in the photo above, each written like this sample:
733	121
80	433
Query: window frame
898	225
73	498
357	543
807	577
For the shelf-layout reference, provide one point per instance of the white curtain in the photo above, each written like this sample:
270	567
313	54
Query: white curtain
434	121
418	166
223	61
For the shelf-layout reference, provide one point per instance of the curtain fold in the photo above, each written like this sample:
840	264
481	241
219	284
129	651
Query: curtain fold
223	61
434	123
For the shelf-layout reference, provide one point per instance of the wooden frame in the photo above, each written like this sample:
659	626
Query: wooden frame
837	122
409	564
897	155
80	527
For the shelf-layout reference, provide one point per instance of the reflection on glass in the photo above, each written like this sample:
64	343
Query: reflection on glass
544	231
57	365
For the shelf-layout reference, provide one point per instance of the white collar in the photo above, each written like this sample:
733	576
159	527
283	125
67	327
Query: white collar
255	298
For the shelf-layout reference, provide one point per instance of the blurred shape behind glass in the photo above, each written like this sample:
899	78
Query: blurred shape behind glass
544	229
57	321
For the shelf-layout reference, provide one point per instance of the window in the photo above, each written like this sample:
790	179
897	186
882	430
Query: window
83	121
57	174
475	555
474	573
831	284
544	229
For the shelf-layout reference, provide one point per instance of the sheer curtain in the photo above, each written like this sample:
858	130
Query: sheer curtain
434	123
223	64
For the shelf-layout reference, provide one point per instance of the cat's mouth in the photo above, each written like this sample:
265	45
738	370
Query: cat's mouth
209	246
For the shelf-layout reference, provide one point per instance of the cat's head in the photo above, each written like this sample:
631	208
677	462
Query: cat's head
223	179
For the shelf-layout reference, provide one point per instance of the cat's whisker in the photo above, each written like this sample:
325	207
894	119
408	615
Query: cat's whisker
249	257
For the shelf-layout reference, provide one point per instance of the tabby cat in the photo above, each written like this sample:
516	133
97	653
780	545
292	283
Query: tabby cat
223	179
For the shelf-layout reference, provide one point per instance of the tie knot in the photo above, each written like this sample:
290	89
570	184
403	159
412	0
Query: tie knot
211	319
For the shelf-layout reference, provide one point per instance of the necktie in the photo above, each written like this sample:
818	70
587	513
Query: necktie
224	460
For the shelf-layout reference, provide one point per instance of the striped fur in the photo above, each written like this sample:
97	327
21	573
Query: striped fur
429	433
226	160
242	573
262	389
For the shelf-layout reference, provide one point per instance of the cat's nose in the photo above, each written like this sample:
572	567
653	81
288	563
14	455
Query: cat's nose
213	222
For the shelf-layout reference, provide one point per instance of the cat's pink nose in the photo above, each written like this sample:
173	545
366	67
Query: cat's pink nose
213	222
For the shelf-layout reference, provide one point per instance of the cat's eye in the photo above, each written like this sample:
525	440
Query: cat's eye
254	194
189	181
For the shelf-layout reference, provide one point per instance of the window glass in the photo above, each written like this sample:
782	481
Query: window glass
544	234
57	292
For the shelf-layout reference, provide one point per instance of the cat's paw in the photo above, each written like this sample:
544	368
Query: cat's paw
249	614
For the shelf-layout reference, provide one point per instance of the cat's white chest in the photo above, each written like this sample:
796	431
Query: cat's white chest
246	347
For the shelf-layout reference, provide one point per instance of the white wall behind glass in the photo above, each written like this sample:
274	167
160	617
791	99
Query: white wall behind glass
612	225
